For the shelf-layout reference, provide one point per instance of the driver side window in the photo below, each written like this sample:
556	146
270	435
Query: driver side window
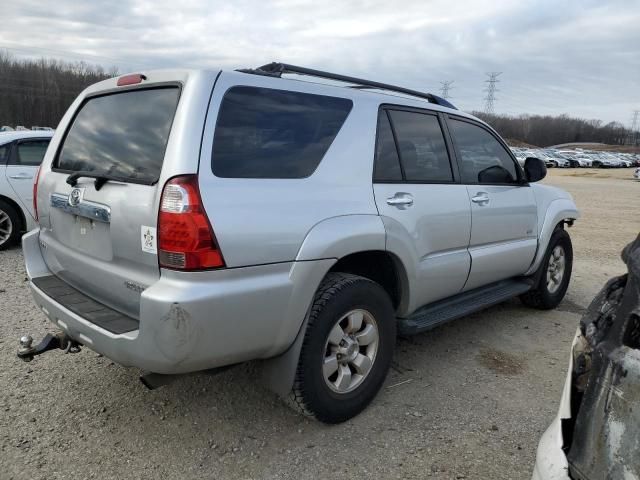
483	158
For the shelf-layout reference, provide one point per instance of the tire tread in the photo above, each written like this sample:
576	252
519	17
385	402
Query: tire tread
330	286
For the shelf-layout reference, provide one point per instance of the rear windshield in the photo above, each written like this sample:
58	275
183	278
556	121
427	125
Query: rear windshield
267	133
121	135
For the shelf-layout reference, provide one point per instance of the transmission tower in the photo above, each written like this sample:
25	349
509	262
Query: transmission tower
635	125
491	91
444	90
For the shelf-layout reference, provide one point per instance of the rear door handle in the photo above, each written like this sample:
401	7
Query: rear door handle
400	200
481	198
21	176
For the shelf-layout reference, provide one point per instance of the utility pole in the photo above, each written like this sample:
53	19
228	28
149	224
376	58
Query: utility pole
491	91
635	125
444	90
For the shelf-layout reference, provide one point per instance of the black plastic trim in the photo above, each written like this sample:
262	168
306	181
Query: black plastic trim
84	306
276	69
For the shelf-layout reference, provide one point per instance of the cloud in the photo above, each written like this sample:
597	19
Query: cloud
575	57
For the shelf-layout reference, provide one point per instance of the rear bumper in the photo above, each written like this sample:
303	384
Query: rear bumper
196	321
551	462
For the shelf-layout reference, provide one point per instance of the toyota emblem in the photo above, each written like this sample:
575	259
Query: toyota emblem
75	196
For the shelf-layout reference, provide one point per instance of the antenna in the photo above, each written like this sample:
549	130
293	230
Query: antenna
491	91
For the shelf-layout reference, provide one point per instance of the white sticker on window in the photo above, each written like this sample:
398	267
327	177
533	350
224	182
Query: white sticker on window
148	239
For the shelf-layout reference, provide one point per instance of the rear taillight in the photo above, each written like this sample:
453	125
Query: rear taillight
185	237
35	194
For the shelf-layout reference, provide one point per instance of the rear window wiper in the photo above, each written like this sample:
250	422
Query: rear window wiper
100	179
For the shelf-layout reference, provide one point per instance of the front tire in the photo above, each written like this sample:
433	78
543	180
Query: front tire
347	348
556	273
10	225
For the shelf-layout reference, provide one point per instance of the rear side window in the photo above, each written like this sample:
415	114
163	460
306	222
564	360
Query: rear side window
267	133
387	166
122	135
483	158
31	153
423	151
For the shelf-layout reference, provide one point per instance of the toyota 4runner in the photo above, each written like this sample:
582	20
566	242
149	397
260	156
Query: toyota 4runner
191	220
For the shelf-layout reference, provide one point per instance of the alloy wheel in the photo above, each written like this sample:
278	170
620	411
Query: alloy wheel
350	351
555	269
6	227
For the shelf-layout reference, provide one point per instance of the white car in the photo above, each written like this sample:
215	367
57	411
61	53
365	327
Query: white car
636	174
21	153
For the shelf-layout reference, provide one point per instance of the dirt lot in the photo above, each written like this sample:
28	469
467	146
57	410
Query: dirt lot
468	400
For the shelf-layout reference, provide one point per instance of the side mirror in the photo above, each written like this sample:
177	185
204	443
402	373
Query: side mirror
534	169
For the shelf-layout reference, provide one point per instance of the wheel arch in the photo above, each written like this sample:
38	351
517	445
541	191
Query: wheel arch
278	372
559	212
382	267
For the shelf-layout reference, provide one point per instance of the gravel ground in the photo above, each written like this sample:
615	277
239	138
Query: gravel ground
467	400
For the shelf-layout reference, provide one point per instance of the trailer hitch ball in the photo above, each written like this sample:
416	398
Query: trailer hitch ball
26	347
26	350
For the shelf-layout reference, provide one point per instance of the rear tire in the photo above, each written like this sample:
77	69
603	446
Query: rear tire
556	273
10	225
347	348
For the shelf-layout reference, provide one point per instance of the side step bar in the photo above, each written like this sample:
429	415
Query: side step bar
463	304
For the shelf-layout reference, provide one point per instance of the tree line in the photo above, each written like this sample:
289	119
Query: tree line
547	130
38	92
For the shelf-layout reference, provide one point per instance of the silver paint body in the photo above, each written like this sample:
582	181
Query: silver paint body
279	237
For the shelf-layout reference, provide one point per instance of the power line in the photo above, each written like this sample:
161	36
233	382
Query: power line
444	90
491	91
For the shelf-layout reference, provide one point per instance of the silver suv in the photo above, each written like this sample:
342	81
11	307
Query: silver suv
191	220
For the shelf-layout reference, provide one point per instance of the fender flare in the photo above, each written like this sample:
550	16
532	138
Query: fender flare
558	211
326	239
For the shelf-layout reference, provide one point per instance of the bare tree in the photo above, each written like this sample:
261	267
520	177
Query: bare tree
38	92
546	130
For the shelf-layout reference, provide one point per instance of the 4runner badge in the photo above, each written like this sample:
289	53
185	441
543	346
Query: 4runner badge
148	239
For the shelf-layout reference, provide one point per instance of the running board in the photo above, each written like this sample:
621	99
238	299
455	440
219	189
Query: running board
463	304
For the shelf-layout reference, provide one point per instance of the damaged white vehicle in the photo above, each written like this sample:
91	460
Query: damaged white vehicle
596	432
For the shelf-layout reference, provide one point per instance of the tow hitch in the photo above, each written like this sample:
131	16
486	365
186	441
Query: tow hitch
59	340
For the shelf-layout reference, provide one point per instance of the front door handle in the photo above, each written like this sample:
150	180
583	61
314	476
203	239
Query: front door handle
400	200
481	198
21	176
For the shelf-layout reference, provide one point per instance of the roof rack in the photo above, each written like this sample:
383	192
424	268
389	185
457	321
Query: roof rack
276	69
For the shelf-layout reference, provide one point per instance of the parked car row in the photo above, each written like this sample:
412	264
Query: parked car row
578	158
21	128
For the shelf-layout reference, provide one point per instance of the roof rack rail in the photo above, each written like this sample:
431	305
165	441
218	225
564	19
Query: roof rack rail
276	69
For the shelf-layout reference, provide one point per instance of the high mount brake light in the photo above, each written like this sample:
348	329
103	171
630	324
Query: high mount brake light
130	79
185	238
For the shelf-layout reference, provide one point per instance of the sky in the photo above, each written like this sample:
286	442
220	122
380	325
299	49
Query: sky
580	58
